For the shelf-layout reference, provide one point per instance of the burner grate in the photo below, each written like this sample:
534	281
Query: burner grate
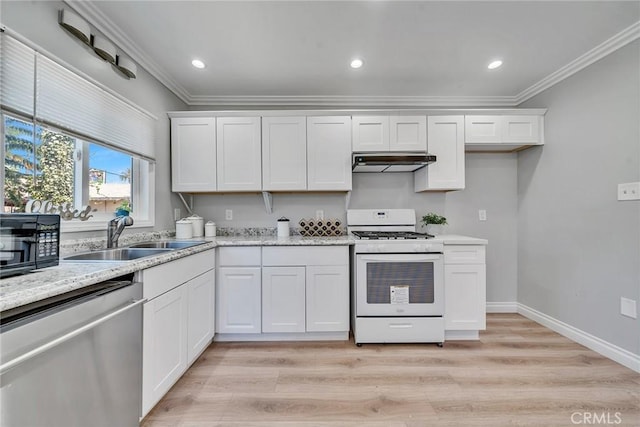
390	235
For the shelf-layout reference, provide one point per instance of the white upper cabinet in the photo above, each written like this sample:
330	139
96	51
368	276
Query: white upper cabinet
503	133
482	129
193	154
370	133
408	133
239	154
446	142
284	153
329	153
389	133
525	129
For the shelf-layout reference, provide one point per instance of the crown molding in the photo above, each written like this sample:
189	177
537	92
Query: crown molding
357	101
107	27
111	30
609	46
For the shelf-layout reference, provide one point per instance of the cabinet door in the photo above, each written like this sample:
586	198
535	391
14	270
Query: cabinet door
408	133
201	309
164	351
283	299
284	153
483	129
465	297
446	141
370	133
329	153
327	298
524	129
238	300
239	154
193	154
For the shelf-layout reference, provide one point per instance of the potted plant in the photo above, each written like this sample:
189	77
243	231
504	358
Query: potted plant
124	209
434	223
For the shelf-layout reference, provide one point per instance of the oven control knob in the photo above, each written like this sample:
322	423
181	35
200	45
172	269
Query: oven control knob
419	248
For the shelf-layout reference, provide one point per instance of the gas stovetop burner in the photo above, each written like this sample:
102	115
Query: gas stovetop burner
391	235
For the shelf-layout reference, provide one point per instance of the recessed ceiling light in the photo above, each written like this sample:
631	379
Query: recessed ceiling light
495	64
356	63
197	63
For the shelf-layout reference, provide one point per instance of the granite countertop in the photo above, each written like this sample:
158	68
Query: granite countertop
69	276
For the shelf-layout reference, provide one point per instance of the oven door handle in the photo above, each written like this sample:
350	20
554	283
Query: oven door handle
399	258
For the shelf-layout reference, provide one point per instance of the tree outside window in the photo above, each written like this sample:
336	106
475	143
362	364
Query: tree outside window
50	165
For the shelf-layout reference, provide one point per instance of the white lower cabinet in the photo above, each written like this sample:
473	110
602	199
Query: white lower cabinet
164	354
296	292
201	314
239	303
177	321
465	288
305	289
327	298
283	299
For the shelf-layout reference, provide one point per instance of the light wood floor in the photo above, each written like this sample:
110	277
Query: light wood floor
520	373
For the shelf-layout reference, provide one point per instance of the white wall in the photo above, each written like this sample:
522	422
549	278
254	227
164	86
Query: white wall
491	183
38	22
578	247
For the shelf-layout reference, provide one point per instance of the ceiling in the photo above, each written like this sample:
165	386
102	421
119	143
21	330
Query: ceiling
415	53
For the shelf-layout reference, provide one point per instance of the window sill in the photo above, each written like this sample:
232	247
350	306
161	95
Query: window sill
80	226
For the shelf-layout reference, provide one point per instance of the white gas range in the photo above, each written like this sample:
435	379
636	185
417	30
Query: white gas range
398	279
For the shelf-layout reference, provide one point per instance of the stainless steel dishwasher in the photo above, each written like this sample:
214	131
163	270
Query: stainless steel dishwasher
74	360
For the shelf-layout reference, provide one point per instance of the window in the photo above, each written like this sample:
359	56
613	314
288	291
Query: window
70	140
44	163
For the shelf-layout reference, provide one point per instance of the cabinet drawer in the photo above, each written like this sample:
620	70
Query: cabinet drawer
464	254
164	277
305	255
239	256
399	329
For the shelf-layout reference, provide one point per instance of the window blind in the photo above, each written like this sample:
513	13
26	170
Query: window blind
17	76
71	102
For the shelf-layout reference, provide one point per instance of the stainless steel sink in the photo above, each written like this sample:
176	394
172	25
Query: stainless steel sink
118	254
169	244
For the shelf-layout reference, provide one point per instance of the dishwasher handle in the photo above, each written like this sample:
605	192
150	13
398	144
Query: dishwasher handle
53	343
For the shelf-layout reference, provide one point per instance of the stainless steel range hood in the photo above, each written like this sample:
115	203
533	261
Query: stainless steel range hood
390	162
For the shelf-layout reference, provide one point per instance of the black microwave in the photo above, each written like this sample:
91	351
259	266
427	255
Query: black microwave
28	242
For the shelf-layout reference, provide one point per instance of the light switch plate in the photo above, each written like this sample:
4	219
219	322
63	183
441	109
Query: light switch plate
629	191
482	215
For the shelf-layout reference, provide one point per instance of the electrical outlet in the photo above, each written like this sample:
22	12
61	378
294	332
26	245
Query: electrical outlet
482	215
628	307
629	191
319	214
177	214
228	215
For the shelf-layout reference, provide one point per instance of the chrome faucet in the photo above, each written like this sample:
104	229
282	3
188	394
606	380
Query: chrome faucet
114	229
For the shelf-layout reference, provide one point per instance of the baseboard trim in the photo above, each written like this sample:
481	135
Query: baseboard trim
282	336
502	307
611	351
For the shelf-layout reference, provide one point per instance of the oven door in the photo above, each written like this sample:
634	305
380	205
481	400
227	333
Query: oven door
399	285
